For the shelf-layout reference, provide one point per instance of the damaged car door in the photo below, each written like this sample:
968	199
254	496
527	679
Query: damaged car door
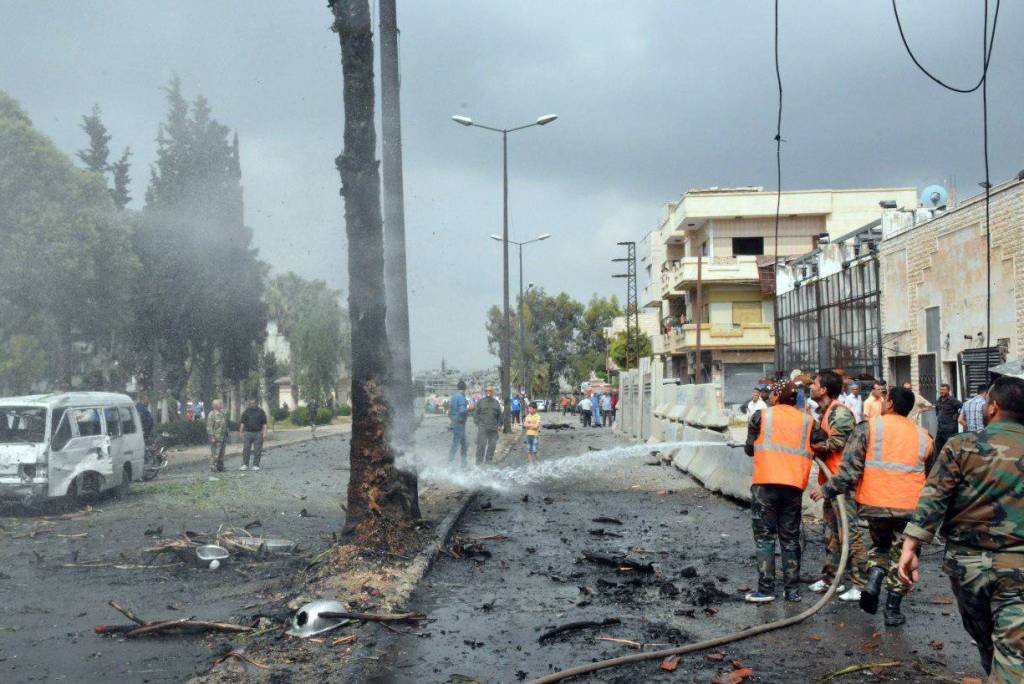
81	464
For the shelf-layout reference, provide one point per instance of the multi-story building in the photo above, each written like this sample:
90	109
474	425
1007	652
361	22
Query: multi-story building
710	268
934	291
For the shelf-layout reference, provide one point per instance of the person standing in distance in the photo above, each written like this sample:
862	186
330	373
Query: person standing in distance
252	429
973	498
487	416
217	430
458	412
947	411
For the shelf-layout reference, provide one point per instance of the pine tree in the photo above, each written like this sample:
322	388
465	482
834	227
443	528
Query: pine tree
119	170
95	156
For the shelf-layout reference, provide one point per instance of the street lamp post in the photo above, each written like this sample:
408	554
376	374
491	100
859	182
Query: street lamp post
524	363
506	343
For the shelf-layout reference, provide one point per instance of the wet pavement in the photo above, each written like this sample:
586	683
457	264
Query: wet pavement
55	583
491	600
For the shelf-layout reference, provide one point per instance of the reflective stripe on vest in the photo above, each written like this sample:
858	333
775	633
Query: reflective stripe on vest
894	467
782	451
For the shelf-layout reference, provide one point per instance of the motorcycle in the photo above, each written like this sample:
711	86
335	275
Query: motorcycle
156	457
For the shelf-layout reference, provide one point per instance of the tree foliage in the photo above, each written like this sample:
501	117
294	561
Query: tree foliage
639	344
564	338
310	316
95	156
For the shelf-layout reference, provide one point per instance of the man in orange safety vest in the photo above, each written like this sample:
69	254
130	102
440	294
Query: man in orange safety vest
779	440
884	462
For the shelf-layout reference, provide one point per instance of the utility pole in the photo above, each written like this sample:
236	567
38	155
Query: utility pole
699	377
632	301
395	277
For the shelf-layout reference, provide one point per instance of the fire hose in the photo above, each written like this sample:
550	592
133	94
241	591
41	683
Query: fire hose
840	503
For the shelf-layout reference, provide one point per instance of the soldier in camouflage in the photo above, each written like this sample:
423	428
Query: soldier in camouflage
837	424
975	497
217	431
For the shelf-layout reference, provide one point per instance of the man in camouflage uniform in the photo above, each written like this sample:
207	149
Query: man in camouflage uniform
974	498
886	524
837	424
217	430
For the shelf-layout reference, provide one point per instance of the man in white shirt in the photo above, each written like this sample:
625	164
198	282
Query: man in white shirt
853	401
756	403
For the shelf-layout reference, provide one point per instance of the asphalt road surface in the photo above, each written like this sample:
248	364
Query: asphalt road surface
55	584
492	602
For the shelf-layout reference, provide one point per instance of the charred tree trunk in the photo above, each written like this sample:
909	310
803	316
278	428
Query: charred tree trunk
400	389
379	509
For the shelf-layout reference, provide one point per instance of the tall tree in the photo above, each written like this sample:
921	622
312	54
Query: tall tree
95	156
120	172
379	508
401	394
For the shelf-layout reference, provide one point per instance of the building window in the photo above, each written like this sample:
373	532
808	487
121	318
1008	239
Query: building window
746	312
748	246
932	329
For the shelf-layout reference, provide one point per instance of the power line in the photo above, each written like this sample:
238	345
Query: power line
778	186
987	43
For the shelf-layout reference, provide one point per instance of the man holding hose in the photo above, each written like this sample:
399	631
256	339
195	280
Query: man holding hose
974	498
779	440
884	461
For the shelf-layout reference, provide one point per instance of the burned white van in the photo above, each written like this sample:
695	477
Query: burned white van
68	444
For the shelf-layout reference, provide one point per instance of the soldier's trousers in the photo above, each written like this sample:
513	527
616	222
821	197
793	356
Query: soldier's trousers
886	547
217	454
989	589
856	564
775	511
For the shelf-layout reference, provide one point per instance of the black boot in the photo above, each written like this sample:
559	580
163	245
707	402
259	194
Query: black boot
893	616
872	590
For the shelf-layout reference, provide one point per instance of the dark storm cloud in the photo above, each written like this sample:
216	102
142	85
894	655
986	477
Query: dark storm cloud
653	97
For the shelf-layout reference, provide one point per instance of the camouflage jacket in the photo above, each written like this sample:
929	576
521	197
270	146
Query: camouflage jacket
975	493
842	423
217	424
850	472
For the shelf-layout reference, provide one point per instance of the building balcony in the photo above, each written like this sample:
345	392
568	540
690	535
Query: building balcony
737	269
746	336
651	296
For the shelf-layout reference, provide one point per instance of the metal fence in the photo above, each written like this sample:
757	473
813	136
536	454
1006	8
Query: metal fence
833	322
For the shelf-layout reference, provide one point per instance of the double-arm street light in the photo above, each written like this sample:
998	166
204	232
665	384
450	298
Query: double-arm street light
506	342
524	363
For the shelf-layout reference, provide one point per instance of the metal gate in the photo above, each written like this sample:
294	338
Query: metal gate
974	365
926	376
740	379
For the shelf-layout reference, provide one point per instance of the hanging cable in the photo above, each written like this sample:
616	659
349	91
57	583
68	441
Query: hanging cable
986	55
778	190
988	41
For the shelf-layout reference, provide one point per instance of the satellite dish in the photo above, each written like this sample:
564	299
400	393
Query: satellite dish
934	196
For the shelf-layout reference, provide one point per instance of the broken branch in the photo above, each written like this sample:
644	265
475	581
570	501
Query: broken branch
858	668
625	642
576	626
373	617
127	613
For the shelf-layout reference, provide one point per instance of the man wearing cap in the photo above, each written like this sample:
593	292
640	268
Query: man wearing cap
487	416
779	440
884	463
837	424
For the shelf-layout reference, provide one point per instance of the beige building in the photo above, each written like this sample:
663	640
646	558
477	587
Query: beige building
934	291
732	231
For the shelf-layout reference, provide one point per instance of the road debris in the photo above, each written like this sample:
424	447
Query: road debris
670	664
875	668
607	520
244	658
576	626
179	626
621	563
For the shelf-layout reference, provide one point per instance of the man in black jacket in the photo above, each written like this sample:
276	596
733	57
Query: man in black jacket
947	414
252	428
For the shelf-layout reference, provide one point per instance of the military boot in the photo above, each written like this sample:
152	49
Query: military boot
893	616
872	590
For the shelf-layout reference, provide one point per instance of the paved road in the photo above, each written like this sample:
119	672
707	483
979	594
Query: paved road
50	609
489	610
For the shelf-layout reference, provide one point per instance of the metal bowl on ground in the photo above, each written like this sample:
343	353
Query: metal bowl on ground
307	621
209	553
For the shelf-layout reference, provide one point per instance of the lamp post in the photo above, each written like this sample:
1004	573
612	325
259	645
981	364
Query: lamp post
524	363
506	342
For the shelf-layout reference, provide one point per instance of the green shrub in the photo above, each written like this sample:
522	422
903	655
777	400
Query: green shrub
300	415
184	432
280	413
344	410
324	416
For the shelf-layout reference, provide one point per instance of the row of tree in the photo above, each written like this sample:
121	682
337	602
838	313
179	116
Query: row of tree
564	339
174	295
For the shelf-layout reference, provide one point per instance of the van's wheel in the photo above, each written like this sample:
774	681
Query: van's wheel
126	482
84	488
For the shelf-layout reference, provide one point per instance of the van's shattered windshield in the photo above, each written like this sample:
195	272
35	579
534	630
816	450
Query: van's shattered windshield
22	424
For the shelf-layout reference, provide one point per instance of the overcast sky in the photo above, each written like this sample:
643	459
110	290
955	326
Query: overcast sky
653	98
